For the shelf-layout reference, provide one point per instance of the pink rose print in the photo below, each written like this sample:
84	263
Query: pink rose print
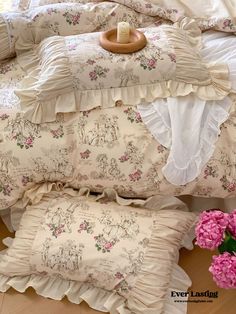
132	115
135	176
28	142
98	72
72	19
86	226
58	133
124	157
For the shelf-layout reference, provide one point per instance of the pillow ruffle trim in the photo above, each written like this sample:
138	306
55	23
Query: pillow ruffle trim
5	50
101	300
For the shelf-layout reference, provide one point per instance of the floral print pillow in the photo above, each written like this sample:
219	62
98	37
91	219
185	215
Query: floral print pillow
118	251
83	75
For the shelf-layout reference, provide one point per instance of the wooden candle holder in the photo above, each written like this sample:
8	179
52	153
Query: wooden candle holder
108	40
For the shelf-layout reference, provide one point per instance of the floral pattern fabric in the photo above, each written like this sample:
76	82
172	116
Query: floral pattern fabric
90	239
90	70
11	76
109	148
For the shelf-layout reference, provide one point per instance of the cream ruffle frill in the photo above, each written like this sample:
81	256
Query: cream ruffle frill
5	41
101	300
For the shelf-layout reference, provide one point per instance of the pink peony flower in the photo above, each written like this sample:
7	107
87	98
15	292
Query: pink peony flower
232	223
223	269
210	229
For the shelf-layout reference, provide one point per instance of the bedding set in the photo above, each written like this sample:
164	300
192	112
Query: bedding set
95	146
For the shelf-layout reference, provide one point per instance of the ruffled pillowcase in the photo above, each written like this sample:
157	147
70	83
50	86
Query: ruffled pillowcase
69	74
118	259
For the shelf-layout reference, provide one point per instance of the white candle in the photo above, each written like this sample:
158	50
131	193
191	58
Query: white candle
123	30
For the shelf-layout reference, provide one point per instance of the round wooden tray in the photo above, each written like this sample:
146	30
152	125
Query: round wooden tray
108	40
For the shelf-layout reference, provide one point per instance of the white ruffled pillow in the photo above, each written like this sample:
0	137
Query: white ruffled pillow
117	258
69	74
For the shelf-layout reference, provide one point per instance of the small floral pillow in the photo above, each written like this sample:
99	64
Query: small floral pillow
75	73
118	258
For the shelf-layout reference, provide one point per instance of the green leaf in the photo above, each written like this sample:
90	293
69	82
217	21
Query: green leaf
229	244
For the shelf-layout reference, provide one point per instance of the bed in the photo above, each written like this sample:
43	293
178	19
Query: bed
77	120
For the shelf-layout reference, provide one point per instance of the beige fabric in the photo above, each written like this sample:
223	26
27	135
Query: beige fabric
128	251
75	74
